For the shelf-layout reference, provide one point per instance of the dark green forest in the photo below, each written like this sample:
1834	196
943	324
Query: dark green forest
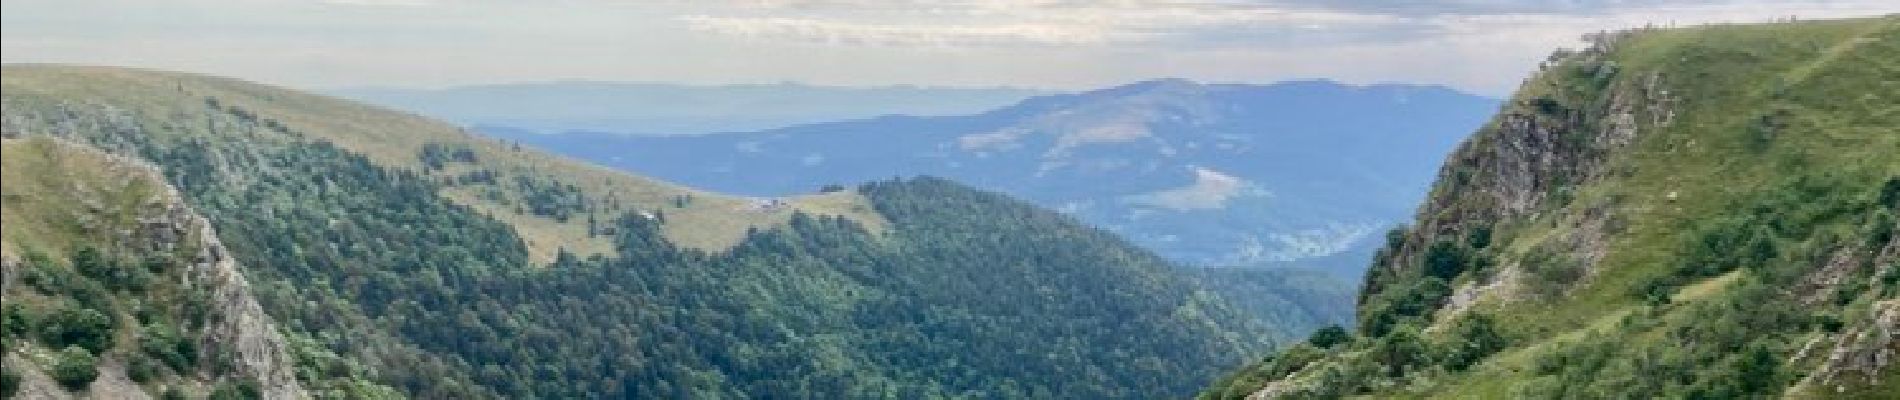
385	288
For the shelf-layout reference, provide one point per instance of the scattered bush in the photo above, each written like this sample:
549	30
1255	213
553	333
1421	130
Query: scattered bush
83	327
1890	193
164	343
1329	336
1445	260
14	320
9	383
240	390
75	368
172	393
1401	351
142	369
1473	337
1405	303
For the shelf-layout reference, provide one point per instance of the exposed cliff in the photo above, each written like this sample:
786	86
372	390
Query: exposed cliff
109	272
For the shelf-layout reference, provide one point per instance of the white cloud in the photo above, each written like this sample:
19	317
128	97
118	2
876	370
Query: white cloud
749	147
1008	22
1211	190
404	3
881	34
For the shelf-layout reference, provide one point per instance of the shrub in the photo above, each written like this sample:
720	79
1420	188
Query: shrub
9	383
1882	230
167	345
14	320
91	263
240	390
1551	272
75	368
142	369
1890	193
83	327
1479	237
1474	337
1329	336
1401	352
1445	260
1409	302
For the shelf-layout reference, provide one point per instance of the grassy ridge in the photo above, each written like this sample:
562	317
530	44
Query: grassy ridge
54	192
710	222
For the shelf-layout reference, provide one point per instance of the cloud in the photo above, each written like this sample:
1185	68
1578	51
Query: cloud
1009	22
379	3
1211	190
1189	24
879	34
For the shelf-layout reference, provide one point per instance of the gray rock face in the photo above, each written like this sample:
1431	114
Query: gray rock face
1861	353
1531	155
238	328
1525	161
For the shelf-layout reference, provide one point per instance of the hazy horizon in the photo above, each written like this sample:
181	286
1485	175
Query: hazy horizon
1482	47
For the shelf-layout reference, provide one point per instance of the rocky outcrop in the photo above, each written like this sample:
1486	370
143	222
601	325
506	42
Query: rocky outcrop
238	329
239	324
1531	155
1862	354
1866	351
237	332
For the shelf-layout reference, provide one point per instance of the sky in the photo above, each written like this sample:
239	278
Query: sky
1481	46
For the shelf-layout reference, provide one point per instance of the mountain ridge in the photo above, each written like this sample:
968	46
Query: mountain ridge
400	256
600	186
1208	174
672	109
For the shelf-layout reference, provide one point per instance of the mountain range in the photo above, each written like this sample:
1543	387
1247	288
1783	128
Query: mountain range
1306	173
1705	212
674	109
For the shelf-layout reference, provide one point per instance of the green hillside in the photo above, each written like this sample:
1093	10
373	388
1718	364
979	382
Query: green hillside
403	258
174	103
112	289
1704	212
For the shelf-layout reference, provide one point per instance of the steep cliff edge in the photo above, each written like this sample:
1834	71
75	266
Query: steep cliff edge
1703	212
115	289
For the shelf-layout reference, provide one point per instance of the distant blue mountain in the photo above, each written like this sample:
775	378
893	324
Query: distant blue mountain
1306	173
656	108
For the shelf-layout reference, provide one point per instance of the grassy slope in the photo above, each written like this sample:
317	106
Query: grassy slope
1726	74
1837	83
710	222
58	197
43	202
